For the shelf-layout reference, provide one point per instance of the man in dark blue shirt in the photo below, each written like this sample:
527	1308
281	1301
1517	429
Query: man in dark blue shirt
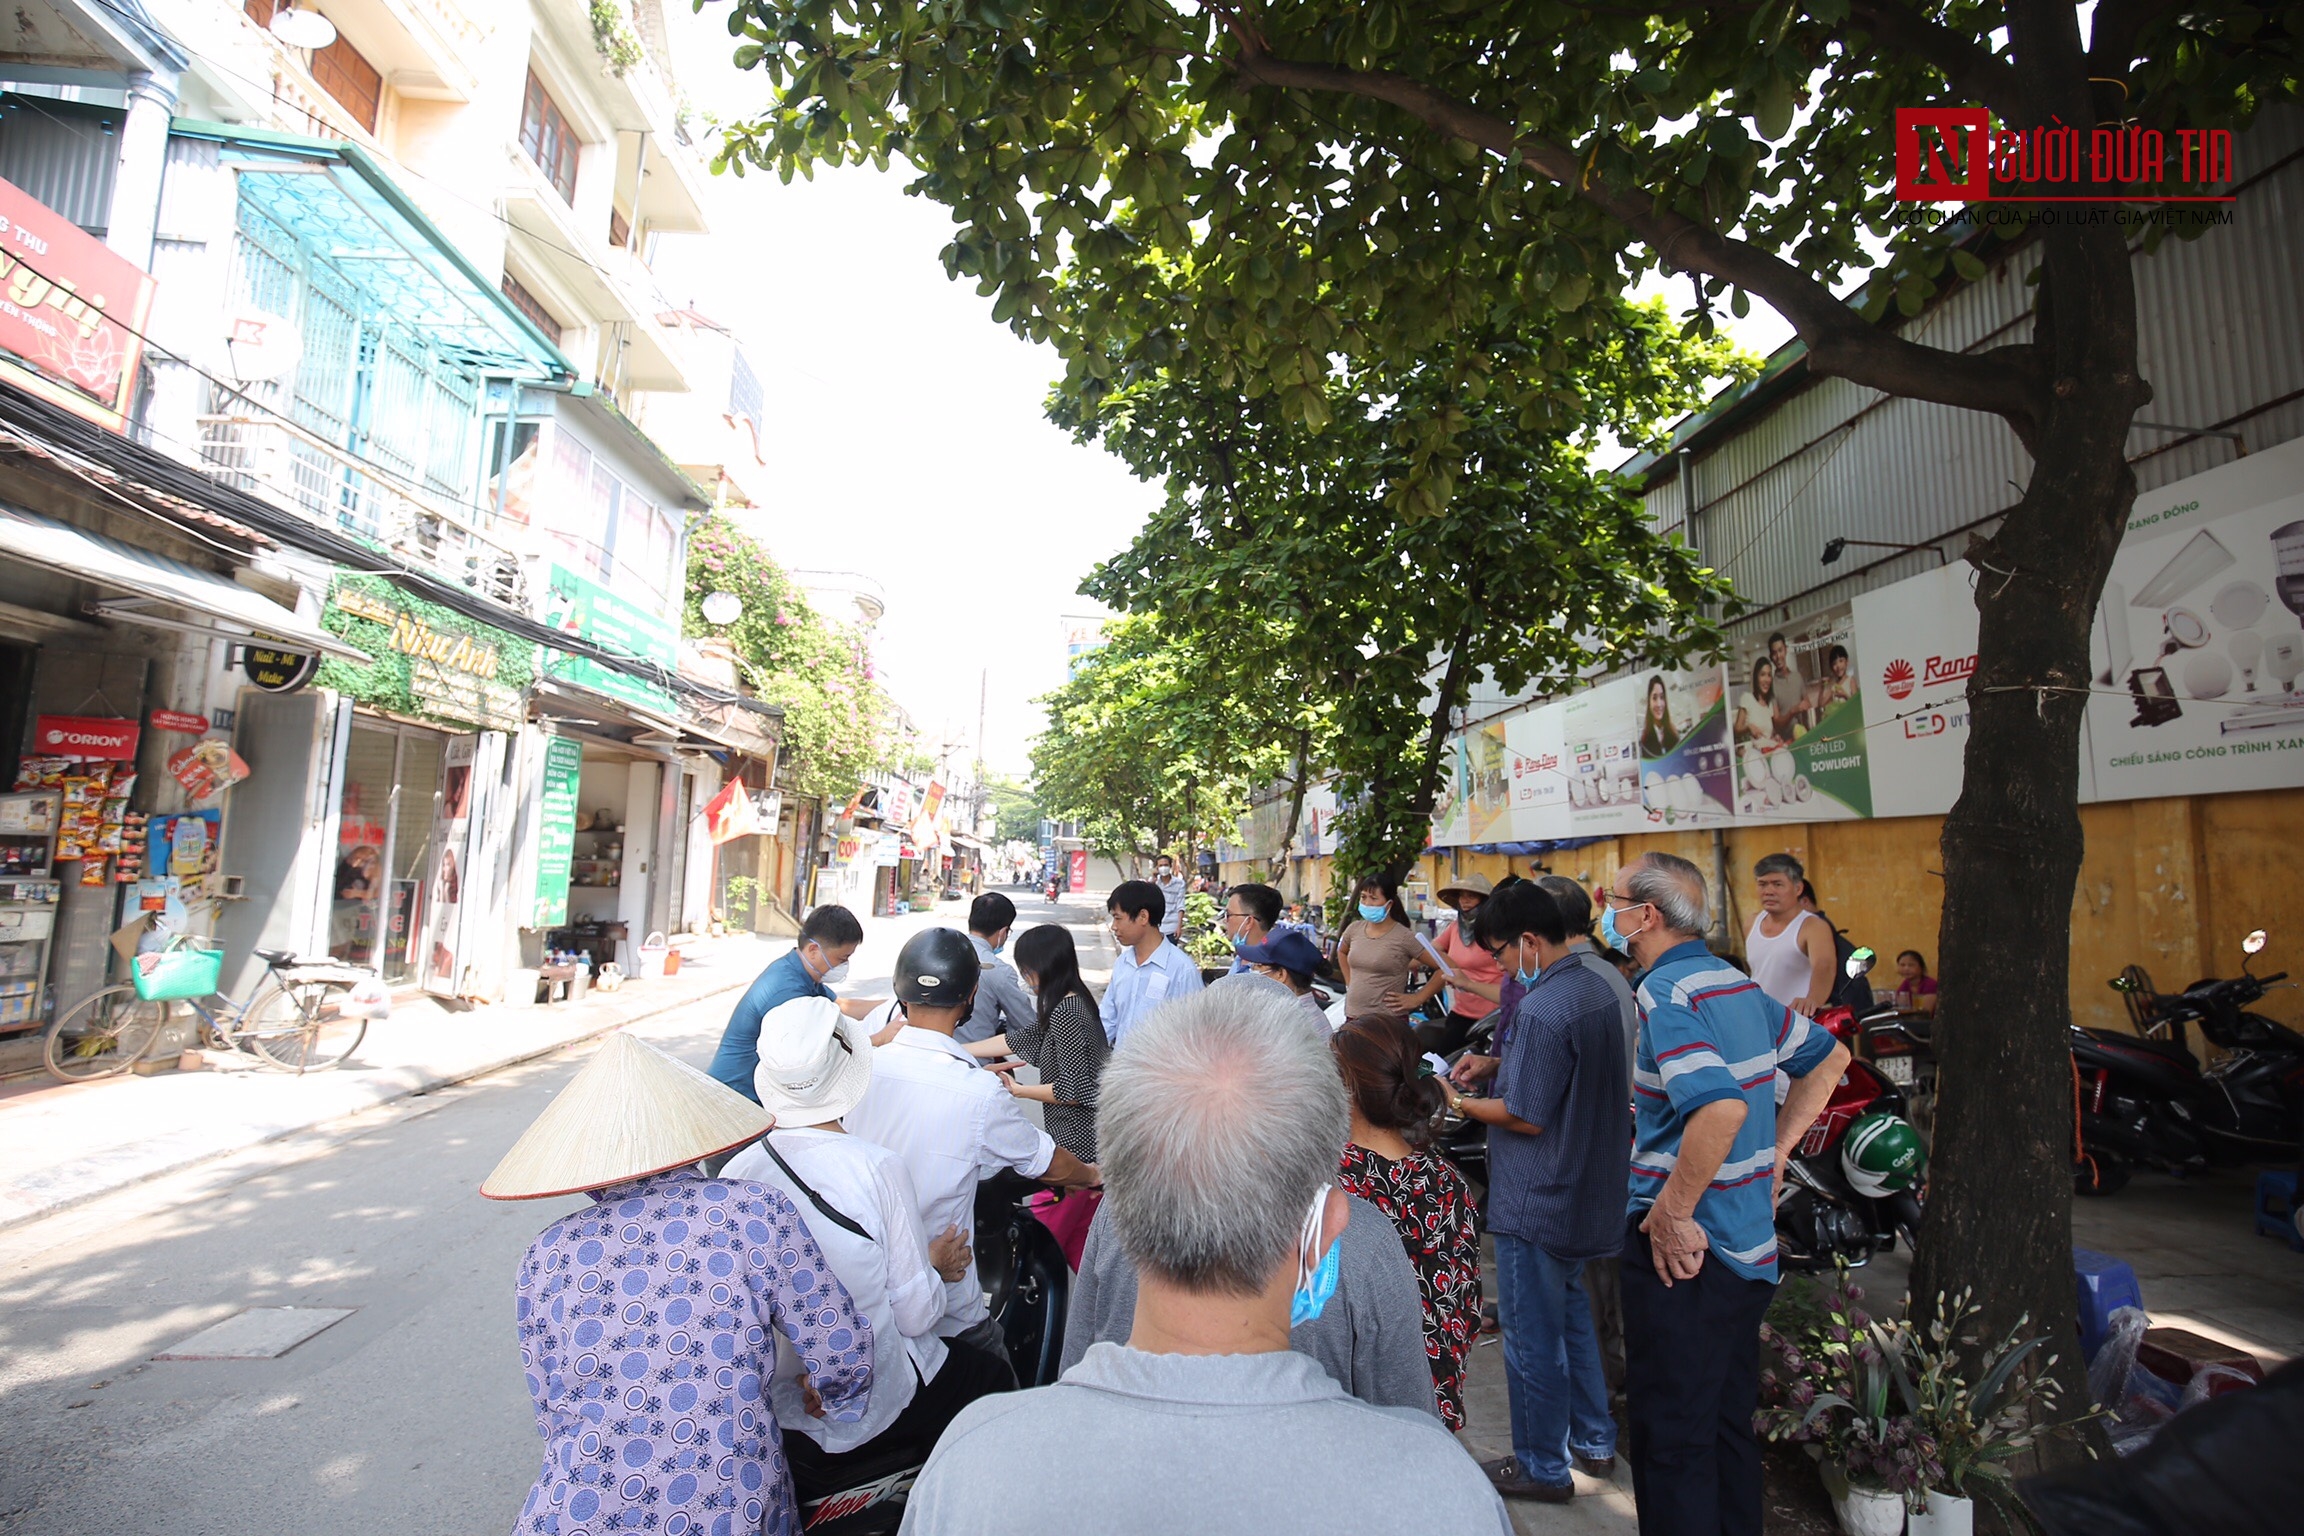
828	936
1559	1140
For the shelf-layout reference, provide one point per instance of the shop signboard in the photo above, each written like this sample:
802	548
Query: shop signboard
2198	649
88	737
429	661
1078	881
589	611
72	312
556	830
179	722
277	671
1916	642
1536	743
443	972
1799	722
1600	753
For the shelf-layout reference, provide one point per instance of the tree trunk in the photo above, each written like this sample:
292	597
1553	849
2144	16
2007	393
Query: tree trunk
2000	1190
1277	869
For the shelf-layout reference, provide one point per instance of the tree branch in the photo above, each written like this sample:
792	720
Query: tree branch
1971	68
1840	342
2118	26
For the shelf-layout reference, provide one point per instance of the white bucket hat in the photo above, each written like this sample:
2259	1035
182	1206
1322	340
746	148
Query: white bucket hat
814	1062
633	1111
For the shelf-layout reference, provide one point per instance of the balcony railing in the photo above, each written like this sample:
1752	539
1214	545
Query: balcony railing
294	469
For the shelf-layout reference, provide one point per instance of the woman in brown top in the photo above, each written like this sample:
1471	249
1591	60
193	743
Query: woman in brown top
1377	949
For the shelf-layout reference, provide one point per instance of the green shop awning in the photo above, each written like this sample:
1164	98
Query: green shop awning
337	199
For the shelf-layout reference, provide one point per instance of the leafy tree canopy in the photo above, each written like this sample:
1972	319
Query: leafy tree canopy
837	724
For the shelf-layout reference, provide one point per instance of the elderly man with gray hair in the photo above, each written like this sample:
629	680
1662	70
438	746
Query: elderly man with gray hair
1220	1123
1708	1146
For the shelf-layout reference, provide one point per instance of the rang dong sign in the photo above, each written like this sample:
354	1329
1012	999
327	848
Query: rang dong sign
72	311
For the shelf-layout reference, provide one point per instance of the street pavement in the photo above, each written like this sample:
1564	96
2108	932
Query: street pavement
410	1414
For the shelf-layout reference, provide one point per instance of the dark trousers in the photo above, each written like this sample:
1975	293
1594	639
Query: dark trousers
967	1375
1446	1035
1692	1381
1607	1298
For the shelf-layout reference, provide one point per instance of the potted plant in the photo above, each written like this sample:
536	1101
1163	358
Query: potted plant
1978	1426
1836	1386
743	893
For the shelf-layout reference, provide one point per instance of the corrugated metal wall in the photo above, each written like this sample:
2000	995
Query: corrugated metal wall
2222	334
65	153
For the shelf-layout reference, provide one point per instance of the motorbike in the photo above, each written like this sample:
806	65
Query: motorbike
1853	1187
2144	1099
1028	1287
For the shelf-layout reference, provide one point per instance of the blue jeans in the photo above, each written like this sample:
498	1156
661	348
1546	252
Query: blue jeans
1551	1361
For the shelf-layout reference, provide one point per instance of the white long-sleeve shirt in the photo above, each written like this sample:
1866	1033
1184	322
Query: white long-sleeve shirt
888	1278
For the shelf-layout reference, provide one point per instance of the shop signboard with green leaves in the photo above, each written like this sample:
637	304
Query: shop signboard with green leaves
583	608
429	662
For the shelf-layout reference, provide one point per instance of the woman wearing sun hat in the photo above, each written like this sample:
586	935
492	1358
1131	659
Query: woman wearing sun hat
645	1317
1473	975
855	1196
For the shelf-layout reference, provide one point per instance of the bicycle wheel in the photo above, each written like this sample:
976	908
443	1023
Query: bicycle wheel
302	1026
102	1035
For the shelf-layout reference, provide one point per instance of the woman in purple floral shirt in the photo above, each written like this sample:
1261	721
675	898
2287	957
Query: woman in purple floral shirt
645	1322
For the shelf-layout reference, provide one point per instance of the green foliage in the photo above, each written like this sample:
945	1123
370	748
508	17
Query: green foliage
1016	808
1202	939
743	893
837	723
1152	744
612	35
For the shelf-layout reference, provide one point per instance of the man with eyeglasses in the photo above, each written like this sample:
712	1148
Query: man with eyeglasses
1709	1145
1250	914
1556	1166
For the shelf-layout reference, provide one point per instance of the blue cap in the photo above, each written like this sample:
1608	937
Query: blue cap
1289	950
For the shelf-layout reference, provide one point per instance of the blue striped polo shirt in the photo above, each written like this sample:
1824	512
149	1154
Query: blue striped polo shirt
1707	1032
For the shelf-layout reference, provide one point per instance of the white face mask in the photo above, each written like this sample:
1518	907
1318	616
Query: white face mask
836	975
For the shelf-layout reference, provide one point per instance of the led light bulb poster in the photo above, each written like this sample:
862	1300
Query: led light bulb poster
1538	757
1601	754
1798	724
1683	742
2198	645
1917	643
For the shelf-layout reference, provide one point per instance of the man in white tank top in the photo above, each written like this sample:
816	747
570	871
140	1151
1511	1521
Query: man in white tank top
1789	951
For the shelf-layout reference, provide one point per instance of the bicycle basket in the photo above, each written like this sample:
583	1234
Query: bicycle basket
180	971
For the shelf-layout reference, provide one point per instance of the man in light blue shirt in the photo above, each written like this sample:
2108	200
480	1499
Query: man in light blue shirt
1001	1003
1149	970
1171	886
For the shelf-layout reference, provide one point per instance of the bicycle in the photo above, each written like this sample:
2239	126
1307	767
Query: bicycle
293	1023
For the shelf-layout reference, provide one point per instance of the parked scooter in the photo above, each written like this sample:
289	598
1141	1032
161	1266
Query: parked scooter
1028	1287
2144	1099
1853	1187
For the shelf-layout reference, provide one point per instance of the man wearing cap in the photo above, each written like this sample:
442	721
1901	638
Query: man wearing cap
1472	974
647	1318
1292	960
952	1123
855	1196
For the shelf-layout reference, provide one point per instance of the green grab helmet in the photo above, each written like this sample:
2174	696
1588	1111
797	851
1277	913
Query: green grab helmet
1881	1154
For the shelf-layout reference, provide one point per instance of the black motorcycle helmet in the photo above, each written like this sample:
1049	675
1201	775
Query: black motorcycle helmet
937	967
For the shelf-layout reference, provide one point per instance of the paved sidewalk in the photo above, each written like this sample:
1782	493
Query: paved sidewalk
61	1144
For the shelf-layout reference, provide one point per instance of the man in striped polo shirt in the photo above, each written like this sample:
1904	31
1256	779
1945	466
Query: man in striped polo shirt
1709	1144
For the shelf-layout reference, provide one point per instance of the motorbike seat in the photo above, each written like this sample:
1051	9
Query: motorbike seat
905	1453
2174	1054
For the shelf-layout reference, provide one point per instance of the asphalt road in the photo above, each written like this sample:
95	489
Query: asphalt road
410	1415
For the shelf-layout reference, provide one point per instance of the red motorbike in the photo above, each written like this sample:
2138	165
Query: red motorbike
1853	1188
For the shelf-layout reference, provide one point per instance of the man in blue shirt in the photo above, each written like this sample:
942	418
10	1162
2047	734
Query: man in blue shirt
1556	1168
1149	970
1709	1145
828	936
1251	912
1001	1003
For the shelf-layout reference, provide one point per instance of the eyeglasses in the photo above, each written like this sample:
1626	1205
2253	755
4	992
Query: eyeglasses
1615	900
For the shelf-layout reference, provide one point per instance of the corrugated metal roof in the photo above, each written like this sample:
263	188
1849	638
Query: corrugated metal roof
64	153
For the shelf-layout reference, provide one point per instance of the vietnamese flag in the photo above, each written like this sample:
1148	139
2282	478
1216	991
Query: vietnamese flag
729	814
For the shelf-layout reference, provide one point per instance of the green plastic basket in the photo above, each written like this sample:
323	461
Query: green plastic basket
164	976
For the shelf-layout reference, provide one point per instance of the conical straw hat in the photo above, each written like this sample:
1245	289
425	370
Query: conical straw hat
631	1112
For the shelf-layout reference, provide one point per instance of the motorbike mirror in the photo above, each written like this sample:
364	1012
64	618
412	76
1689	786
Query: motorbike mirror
1861	961
2123	984
2254	943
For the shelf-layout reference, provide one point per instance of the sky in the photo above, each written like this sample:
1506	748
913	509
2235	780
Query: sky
905	426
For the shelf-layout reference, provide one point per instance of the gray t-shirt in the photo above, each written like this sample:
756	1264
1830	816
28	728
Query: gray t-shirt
1217	1445
1370	1336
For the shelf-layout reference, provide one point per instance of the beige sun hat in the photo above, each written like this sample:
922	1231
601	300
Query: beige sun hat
815	1062
631	1112
1476	883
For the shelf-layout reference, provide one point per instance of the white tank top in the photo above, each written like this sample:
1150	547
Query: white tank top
1779	964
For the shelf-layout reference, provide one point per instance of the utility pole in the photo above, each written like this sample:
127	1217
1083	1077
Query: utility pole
983	687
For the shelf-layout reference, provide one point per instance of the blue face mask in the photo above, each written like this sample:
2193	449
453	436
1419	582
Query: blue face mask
1524	977
1374	914
1616	937
1315	1283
